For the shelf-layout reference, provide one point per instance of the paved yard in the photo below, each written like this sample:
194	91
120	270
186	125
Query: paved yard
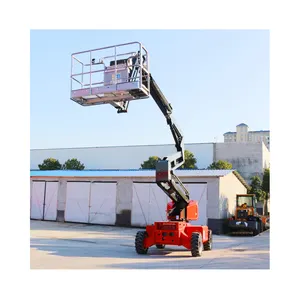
76	246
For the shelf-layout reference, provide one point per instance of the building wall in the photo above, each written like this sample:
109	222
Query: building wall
124	195
123	157
230	137
246	158
229	187
124	202
260	136
265	157
61	199
243	135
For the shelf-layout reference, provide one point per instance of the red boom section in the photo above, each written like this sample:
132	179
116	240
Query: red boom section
173	233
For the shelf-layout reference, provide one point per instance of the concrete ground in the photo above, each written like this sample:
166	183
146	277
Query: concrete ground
76	246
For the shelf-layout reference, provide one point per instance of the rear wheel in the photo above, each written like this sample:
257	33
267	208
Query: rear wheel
208	245
196	244
261	226
256	231
139	242
160	246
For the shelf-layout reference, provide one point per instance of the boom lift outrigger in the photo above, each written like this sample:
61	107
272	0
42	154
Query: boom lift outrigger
129	79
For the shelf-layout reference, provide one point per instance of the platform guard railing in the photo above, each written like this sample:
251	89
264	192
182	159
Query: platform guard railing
86	59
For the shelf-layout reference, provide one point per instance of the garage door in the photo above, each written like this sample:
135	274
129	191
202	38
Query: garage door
50	210
37	200
93	203
77	203
103	203
44	200
149	203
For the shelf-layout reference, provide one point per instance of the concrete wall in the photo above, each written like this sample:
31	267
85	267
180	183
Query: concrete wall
61	199
124	202
229	187
266	157
248	158
125	157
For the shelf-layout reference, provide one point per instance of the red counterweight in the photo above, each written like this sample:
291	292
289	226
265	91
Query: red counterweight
191	211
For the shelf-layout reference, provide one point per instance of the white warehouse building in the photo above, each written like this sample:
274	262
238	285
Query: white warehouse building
129	198
248	159
120	157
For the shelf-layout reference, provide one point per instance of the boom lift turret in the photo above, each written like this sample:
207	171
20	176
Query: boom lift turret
126	77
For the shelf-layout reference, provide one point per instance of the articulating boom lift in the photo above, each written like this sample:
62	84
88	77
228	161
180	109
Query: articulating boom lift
127	78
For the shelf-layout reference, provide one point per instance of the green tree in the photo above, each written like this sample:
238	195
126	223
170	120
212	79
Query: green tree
50	164
256	188
266	182
150	163
266	188
189	160
220	165
73	164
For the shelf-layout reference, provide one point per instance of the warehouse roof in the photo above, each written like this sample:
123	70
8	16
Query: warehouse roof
125	173
132	173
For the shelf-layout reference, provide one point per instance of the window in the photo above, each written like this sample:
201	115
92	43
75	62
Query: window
248	200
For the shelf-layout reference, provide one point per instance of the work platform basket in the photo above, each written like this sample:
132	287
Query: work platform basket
115	75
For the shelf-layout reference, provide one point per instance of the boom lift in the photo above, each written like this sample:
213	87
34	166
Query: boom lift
126	77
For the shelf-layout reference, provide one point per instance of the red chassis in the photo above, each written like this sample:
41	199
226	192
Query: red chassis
180	233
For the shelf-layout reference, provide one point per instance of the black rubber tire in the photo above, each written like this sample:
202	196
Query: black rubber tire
256	231
196	244
208	245
139	242
160	246
261	228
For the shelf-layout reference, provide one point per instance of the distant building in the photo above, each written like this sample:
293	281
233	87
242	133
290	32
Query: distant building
249	159
242	135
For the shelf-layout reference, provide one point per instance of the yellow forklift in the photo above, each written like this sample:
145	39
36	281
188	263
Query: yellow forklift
246	219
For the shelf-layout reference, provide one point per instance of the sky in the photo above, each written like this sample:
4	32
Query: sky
214	79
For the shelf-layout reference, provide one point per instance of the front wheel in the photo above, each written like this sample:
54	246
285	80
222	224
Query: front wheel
139	242
196	244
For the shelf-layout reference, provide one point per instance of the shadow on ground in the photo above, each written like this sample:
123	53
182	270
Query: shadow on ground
102	247
155	259
257	261
69	226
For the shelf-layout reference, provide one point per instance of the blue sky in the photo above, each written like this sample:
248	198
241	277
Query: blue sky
214	79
